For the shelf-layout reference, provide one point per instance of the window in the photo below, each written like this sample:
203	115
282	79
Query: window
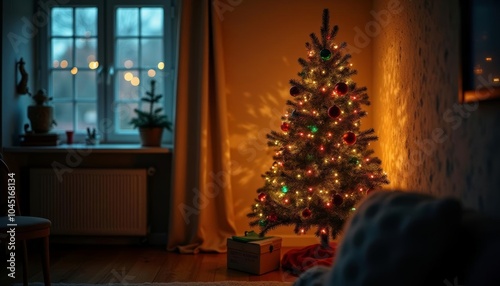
480	50
100	59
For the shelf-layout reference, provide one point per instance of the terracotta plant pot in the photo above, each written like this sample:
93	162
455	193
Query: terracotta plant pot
151	136
41	118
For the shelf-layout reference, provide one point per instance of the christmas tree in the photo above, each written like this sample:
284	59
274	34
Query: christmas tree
322	164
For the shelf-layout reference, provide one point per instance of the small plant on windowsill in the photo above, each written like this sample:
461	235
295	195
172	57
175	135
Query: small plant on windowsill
151	122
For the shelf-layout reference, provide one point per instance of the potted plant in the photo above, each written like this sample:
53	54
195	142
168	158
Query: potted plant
151	122
41	115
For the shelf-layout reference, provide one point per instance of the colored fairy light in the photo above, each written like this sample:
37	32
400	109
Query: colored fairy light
284	189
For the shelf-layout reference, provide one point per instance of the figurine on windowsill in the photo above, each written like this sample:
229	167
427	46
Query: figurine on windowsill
41	114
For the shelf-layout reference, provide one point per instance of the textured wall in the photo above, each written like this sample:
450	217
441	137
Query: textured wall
429	141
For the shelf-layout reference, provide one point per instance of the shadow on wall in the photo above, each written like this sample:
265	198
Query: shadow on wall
252	149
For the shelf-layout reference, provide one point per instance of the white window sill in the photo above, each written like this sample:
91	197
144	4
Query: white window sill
101	148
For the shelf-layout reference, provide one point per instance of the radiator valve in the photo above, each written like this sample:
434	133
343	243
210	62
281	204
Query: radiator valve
151	171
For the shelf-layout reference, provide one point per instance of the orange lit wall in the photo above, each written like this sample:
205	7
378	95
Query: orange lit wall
262	42
428	141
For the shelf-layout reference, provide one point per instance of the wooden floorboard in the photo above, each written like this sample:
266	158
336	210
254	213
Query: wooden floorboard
101	264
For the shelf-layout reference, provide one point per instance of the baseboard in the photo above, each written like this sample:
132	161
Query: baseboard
97	240
160	239
157	239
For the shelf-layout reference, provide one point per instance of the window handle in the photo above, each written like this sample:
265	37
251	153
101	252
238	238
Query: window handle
111	72
99	74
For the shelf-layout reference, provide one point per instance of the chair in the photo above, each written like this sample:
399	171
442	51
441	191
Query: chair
26	227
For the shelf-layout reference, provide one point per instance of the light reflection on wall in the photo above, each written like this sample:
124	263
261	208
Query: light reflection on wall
391	120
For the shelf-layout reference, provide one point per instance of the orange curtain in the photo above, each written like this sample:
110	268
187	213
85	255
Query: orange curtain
201	211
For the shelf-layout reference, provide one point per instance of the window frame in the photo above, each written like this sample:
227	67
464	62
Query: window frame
106	78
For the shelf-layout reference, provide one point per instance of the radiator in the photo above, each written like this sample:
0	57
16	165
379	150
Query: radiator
91	201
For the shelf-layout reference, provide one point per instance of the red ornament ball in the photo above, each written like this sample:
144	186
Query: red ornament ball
349	138
272	217
261	197
337	200
341	88
334	111
285	126
294	91
306	213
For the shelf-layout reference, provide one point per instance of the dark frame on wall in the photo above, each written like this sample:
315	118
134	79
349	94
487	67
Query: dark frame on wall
480	50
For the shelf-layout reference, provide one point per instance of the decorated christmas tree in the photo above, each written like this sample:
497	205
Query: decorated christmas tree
323	165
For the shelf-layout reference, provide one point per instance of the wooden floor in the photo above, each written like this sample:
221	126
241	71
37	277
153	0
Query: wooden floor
130	264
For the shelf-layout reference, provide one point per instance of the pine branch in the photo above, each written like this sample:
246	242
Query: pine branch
325	27
315	41
303	62
334	32
366	132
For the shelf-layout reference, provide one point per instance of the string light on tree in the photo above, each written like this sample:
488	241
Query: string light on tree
324	166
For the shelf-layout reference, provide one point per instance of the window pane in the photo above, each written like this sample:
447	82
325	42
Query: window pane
152	21
86	116
63	113
152	73
127	53
124	112
62	85
86	21
62	22
127	21
86	52
86	84
125	89
61	53
151	52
